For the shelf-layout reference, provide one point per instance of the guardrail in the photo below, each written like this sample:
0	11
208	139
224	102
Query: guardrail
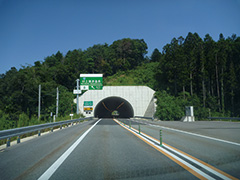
231	118
17	132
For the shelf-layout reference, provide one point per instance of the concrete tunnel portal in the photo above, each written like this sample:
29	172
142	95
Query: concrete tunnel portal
118	101
113	107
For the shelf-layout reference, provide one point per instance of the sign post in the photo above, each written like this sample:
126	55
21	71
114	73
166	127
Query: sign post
77	96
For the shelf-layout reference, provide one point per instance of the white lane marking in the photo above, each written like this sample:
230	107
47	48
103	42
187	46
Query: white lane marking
172	155
147	137
49	172
182	161
198	163
199	135
190	159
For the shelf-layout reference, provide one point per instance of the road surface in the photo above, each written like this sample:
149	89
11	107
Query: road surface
108	149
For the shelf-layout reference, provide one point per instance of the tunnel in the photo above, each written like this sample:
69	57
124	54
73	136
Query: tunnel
113	107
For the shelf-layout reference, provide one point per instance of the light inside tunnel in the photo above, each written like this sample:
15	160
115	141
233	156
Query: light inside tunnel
113	106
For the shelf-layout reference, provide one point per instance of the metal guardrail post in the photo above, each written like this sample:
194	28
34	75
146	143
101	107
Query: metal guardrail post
18	139
17	132
8	142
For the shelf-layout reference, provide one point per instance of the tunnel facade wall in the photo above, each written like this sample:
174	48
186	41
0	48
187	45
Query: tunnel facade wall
140	97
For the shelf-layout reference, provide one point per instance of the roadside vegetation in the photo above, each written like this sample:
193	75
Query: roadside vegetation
189	71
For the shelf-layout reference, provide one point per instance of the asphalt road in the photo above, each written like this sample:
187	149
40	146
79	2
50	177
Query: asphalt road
216	143
109	151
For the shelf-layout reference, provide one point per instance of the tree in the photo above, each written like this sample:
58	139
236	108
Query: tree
222	59
95	55
59	57
65	101
169	107
156	55
173	66
127	53
183	66
189	71
232	85
202	62
209	46
190	46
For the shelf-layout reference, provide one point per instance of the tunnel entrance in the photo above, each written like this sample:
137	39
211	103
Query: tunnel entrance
113	107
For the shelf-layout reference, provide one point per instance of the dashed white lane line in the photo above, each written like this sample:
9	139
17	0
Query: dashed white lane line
49	172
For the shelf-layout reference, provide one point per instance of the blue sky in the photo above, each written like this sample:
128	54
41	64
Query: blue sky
31	30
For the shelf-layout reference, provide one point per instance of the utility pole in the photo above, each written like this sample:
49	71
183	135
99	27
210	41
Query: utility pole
77	96
39	101
57	102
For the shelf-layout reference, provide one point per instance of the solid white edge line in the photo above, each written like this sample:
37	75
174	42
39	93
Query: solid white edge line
50	171
190	159
200	164
199	135
175	157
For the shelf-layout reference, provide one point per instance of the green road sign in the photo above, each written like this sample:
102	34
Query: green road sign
91	81
95	87
88	103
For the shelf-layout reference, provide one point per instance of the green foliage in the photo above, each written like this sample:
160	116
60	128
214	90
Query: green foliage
190	71
23	120
173	108
156	56
142	75
204	68
68	117
5	122
169	107
65	101
19	88
127	54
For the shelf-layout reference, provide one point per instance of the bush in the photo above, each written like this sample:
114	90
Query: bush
169	107
173	108
23	120
5	122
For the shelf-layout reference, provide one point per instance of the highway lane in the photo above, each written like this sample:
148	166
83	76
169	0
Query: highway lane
29	159
229	131
220	154
109	151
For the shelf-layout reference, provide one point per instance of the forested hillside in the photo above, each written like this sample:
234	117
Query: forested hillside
189	71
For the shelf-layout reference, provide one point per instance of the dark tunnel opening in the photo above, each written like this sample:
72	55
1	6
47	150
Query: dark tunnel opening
113	107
